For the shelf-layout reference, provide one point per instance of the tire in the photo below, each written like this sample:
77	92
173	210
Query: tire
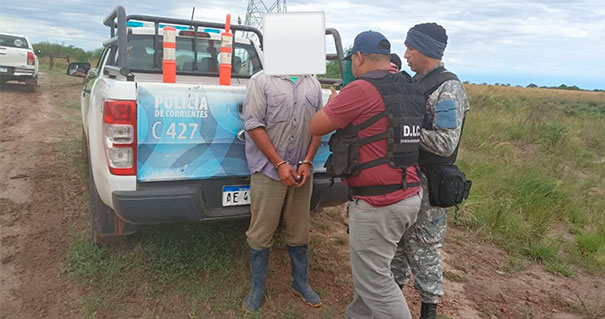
105	225
31	84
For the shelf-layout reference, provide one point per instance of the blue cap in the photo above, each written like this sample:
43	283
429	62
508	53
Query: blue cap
370	42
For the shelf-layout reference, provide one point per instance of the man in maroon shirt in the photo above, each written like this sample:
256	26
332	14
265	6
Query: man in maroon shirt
376	222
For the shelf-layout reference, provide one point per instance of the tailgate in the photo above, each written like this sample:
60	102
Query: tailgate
13	57
14	51
189	132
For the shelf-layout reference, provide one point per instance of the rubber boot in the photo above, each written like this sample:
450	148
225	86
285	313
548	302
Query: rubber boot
259	261
299	260
428	311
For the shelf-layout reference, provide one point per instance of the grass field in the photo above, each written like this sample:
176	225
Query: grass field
537	161
536	158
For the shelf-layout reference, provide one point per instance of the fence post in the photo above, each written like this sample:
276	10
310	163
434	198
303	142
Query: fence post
50	67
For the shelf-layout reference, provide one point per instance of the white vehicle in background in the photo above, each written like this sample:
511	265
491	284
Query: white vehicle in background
18	61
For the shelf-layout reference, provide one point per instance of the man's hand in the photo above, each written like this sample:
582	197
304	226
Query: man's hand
287	174
304	171
333	95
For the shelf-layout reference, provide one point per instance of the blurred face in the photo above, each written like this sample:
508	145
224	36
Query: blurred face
416	60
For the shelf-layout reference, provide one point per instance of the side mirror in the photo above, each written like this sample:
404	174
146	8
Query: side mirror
38	52
78	69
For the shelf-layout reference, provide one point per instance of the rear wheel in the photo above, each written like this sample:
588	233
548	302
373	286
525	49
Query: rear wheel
106	227
31	84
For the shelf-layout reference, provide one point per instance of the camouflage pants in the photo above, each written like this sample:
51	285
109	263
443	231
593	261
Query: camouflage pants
418	251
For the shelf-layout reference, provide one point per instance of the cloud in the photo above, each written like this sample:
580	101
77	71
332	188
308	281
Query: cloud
558	37
39	32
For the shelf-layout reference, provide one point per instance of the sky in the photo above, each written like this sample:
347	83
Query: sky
545	42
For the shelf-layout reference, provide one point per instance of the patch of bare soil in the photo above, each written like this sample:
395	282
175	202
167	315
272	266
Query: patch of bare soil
38	202
477	281
477	284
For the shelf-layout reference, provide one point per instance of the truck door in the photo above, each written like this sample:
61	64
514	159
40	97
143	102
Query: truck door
87	90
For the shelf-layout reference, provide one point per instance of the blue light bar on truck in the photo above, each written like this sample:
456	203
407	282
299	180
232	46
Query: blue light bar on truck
178	27
138	24
134	24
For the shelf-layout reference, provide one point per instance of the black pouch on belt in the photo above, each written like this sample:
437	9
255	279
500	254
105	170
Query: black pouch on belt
448	185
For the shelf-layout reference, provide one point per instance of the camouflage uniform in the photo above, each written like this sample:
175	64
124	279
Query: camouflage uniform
418	250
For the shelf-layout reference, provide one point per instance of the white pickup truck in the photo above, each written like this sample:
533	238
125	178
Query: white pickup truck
18	61
161	152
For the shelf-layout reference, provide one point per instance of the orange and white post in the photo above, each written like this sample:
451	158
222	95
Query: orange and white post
226	52
169	61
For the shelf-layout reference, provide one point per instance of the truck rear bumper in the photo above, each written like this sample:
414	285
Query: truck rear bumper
13	73
198	201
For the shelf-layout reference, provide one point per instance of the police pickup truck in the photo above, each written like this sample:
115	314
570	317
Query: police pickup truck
172	152
18	61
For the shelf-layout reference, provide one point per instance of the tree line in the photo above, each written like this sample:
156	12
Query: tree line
332	68
61	50
560	87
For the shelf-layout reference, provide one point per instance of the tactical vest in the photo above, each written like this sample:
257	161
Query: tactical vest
404	109
431	82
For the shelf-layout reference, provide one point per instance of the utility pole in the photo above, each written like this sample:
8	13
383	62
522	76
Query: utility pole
256	9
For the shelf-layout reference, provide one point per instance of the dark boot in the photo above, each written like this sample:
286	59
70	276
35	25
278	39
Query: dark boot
259	261
299	260
428	311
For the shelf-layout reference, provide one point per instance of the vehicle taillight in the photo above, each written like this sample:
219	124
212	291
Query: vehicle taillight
30	58
119	136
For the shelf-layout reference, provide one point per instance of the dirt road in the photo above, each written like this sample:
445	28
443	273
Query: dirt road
39	200
43	202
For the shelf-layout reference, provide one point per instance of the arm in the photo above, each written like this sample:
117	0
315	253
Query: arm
286	172
304	169
450	109
321	123
313	146
441	142
315	139
262	141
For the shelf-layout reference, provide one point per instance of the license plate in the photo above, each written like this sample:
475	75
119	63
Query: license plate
236	195
3	70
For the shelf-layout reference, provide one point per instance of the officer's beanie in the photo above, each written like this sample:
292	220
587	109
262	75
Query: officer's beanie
433	30
428	38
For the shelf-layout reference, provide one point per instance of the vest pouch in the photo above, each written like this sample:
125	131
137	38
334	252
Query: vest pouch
347	156
344	157
329	165
448	185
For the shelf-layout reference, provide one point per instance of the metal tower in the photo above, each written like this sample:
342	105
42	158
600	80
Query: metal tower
256	9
